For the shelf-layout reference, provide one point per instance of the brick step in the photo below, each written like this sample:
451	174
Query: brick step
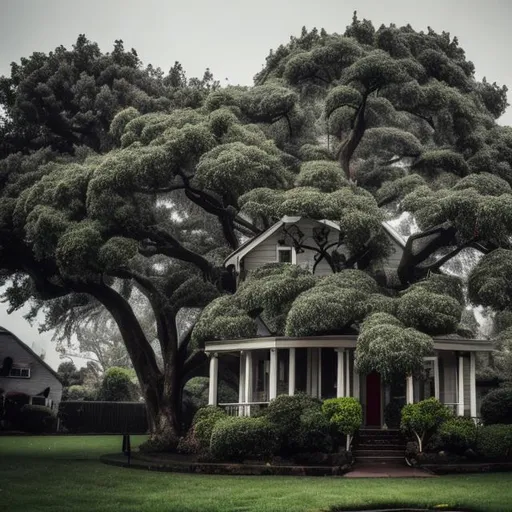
390	446
382	460
378	453
380	442
380	433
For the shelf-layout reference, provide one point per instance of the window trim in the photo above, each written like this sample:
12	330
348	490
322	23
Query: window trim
280	248
22	369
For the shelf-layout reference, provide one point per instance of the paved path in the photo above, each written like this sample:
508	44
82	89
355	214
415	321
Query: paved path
386	470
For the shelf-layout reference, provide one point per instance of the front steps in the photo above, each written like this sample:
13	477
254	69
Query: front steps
379	446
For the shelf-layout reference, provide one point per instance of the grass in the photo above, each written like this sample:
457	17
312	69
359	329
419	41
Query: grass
63	474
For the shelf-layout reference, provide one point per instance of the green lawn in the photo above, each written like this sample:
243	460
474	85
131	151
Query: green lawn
63	474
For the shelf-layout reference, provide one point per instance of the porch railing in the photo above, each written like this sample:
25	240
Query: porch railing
243	409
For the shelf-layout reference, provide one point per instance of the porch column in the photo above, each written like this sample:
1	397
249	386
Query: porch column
241	383
319	393
314	372
356	393
472	383
308	371
248	382
291	372
214	376
273	374
347	372
460	398
409	390
340	383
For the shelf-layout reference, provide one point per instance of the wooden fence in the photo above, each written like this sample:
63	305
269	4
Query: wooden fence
80	417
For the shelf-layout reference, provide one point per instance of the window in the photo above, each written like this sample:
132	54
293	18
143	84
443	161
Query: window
19	373
286	254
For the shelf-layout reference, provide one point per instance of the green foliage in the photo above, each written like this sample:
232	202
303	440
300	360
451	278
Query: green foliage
345	414
441	285
321	174
497	407
458	434
37	419
204	422
223	319
236	439
424	418
429	312
495	442
385	346
393	414
299	424
117	386
489	282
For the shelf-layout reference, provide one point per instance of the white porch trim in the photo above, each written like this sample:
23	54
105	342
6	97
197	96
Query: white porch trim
460	379
472	384
340	382
214	377
291	372
273	374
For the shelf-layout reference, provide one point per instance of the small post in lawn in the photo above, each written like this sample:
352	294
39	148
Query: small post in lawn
127	450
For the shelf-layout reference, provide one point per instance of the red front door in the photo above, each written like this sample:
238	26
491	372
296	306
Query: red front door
373	399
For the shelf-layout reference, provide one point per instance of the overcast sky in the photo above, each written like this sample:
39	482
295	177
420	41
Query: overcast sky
233	37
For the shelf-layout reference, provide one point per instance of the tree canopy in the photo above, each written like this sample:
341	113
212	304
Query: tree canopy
118	179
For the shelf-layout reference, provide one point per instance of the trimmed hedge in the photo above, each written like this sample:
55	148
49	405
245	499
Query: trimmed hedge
345	415
291	417
235	439
37	419
424	418
495	442
458	434
204	422
497	407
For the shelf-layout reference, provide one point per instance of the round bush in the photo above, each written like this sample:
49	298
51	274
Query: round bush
495	441
37	419
345	415
424	418
235	439
313	434
458	434
285	413
204	422
117	386
497	407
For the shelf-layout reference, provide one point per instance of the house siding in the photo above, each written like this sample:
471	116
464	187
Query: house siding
266	251
40	376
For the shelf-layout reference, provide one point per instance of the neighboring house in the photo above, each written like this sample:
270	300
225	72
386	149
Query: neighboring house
26	372
323	366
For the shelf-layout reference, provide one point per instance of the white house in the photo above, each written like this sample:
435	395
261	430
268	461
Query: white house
26	372
323	366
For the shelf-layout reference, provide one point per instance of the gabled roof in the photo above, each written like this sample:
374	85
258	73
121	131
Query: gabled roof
26	348
235	257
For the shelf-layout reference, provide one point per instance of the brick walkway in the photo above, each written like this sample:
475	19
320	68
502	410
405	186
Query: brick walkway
386	470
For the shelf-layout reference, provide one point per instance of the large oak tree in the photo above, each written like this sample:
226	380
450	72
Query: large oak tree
118	179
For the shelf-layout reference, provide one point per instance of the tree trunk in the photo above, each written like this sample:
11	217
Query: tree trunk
161	390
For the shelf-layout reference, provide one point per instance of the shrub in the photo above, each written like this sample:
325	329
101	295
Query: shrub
424	418
117	386
345	414
313	433
204	422
37	419
285	413
495	441
392	414
497	407
235	439
458	434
